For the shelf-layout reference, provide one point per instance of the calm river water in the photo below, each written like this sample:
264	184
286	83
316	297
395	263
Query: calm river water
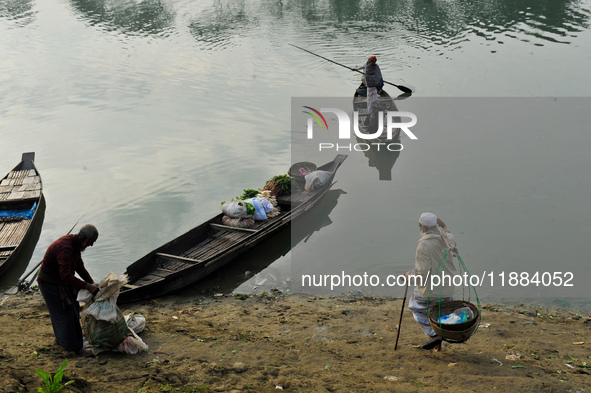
145	115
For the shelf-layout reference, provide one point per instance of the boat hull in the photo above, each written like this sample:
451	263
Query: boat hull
369	122
21	191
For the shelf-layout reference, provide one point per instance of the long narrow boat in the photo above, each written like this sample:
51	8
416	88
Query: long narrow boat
369	124
20	195
211	245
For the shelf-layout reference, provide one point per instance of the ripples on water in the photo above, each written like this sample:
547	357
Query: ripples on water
151	112
146	17
19	12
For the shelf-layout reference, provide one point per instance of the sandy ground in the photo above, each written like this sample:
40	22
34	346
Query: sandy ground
304	344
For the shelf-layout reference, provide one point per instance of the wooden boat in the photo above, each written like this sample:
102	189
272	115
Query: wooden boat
368	122
20	195
211	245
257	259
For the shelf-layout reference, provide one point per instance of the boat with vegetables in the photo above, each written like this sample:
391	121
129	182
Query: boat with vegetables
20	196
217	242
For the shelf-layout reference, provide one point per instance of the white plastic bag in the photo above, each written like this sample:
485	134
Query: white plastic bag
460	315
235	209
84	296
132	344
136	322
261	206
103	311
316	179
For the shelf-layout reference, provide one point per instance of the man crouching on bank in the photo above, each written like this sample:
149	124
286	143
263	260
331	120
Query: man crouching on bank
59	286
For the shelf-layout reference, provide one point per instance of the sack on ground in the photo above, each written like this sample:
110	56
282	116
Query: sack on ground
136	322
104	305
235	209
316	179
109	287
102	321
103	335
102	311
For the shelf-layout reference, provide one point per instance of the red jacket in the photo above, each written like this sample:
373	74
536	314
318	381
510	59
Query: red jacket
62	260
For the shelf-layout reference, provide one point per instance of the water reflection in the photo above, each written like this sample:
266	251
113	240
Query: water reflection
19	11
216	27
449	22
420	23
382	158
381	152
147	17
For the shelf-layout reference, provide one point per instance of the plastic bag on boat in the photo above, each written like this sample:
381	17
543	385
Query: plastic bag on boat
261	206
316	179
235	209
104	305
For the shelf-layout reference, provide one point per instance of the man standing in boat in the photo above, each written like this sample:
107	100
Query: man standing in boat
430	252
372	78
59	285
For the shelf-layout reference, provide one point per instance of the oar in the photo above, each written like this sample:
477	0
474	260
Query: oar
13	290
403	88
401	312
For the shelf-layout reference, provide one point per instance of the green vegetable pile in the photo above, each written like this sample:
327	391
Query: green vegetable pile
249	193
279	185
250	210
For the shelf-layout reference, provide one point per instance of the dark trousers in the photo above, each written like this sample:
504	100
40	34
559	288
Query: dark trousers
64	319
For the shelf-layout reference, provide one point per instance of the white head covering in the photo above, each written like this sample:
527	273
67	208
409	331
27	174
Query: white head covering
428	219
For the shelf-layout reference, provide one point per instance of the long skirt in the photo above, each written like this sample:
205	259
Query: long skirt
65	319
418	306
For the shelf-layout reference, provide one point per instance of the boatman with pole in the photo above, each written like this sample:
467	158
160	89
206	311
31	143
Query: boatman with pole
430	252
372	78
59	286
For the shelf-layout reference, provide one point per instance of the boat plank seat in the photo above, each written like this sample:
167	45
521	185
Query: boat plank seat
229	228
178	258
13	232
